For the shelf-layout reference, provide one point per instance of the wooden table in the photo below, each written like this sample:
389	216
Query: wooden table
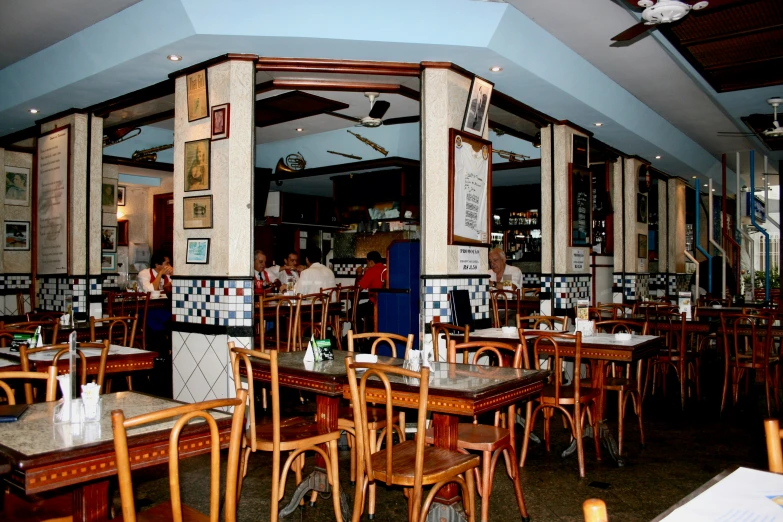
455	390
600	349
121	359
53	457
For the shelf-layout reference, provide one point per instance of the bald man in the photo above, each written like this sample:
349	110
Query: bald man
499	271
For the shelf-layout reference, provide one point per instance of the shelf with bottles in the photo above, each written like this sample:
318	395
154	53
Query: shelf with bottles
526	219
523	244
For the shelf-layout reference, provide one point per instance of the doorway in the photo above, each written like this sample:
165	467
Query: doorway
163	224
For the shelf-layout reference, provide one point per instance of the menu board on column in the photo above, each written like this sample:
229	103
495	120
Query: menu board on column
470	185
54	151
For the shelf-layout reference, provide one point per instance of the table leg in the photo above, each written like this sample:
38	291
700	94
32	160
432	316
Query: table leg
447	505
91	502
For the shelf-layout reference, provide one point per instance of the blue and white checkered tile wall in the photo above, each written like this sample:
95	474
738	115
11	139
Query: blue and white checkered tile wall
435	294
213	302
57	293
96	286
568	289
637	286
111	281
15	282
344	268
530	280
679	283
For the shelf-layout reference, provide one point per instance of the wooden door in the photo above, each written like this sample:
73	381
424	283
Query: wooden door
163	224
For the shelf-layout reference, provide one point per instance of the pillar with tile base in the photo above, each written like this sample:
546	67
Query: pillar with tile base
564	279
80	285
444	98
678	279
212	302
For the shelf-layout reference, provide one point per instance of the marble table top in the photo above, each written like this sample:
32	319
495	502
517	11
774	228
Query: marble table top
598	338
114	349
36	434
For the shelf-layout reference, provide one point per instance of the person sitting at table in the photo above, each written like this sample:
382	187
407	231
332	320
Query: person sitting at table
264	276
290	270
316	275
158	277
373	277
499	271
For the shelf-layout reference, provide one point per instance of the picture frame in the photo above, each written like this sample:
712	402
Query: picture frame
477	108
197	251
641	246
108	262
108	239
580	205
120	196
197	165
221	115
198	95
122	232
16	235
641	208
470	189
109	195
197	212
17	186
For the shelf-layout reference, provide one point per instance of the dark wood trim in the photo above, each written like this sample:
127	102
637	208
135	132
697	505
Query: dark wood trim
242	57
153	92
149	165
511	165
20	135
643	160
212	62
355	167
731	65
338	66
450	66
598	144
141	122
730	35
337	85
517	108
574	126
511	132
61	114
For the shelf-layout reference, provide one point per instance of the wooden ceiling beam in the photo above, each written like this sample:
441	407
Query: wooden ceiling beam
730	34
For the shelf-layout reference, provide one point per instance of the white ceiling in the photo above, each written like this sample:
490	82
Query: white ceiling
28	26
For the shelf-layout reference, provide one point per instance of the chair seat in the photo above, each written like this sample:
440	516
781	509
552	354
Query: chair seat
162	512
619	384
376	418
439	464
587	394
477	437
292	432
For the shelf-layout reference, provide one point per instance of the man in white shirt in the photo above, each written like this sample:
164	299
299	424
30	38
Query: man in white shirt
499	271
263	274
316	276
157	278
290	269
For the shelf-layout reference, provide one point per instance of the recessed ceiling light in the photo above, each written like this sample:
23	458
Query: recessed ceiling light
657	157
598	124
33	111
713	190
496	69
706	185
299	129
694	177
174	57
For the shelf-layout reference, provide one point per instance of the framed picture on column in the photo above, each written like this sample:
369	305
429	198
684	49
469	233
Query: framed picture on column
220	121
470	189
197	163
197	212
478	106
198	97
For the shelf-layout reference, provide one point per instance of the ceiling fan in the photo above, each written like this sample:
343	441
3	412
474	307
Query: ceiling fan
378	109
776	131
663	12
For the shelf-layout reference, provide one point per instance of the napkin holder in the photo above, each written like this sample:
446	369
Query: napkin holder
586	327
318	350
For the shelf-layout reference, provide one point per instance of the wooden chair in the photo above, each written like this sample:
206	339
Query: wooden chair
44	316
50	377
558	395
409	463
747	344
312	318
594	510
61	350
284	317
174	509
622	380
447	329
136	304
295	435
505	306
20	303
618	310
543	322
675	354
121	330
774	445
491	441
334	297
349	299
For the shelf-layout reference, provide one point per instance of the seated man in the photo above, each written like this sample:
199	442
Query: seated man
499	271
157	278
373	277
290	270
264	277
316	276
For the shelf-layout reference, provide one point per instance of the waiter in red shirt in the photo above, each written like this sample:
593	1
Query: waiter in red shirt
374	276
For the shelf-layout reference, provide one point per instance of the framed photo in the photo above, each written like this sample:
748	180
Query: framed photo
198	251
470	189
641	208
580	207
220	121
122	232
197	212
120	196
642	246
109	195
198	101
197	165
17	186
108	262
478	106
108	239
17	235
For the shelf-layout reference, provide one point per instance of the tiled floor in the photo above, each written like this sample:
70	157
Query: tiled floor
683	451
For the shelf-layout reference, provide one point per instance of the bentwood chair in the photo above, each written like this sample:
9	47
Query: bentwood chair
283	312
626	381
312	319
61	350
333	292
446	329
118	330
543	322
559	395
774	445
174	509
747	343
409	463
617	310
136	304
494	440
505	306
295	435
50	377
348	297
676	354
20	303
594	510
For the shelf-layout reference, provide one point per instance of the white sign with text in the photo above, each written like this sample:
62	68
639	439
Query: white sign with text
52	202
577	260
469	259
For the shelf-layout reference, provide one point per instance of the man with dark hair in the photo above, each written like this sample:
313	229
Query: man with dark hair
373	277
316	276
290	270
158	276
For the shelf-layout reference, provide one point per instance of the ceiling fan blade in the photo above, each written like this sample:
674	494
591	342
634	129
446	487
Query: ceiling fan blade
717	3
403	119
633	3
633	32
344	116
379	108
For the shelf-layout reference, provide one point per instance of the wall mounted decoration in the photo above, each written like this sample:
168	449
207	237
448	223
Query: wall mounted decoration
220	121
198	251
478	106
641	208
52	247
120	196
16	235
198	99
197	212
470	186
17	186
642	246
108	239
109	195
197	163
122	232
580	205
108	262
